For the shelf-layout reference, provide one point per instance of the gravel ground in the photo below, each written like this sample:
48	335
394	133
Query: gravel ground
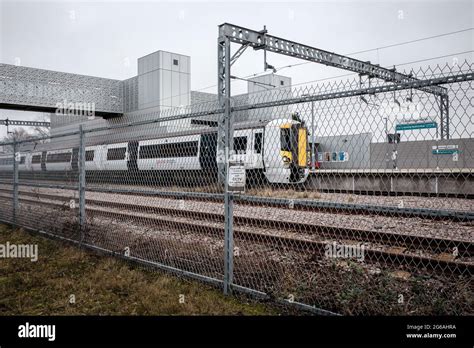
142	220
399	225
441	203
129	232
279	231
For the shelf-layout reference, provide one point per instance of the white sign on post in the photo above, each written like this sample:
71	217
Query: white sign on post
236	177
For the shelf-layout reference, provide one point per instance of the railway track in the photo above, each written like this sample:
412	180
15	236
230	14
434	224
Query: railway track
408	241
384	247
298	204
452	172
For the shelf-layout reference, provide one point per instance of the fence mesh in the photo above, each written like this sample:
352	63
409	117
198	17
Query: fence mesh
353	203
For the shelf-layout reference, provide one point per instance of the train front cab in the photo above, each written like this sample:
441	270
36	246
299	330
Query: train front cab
286	152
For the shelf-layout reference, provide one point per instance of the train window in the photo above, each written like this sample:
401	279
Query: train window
9	161
6	161
117	153
89	155
149	151
257	144
58	157
285	139
36	159
185	149
240	144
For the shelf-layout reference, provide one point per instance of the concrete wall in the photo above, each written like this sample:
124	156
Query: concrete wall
363	154
357	147
459	184
198	97
419	154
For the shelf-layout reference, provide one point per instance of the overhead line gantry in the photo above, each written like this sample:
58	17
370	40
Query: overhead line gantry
261	40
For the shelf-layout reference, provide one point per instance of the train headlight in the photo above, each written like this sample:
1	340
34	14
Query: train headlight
286	160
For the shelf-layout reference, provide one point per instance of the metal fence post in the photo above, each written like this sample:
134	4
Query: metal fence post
228	239
82	182
229	199
225	146
15	181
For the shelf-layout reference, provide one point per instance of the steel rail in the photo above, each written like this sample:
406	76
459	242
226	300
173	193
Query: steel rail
282	242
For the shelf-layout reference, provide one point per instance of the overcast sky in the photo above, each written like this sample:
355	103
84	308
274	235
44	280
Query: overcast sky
106	38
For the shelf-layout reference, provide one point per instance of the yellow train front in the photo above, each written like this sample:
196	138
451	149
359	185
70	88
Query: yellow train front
285	155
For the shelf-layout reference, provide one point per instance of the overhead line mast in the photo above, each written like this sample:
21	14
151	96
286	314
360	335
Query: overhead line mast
258	40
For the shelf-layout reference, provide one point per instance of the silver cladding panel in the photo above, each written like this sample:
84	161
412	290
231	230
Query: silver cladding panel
130	94
268	88
164	80
33	87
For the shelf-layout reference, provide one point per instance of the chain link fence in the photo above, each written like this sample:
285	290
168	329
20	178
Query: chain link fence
349	197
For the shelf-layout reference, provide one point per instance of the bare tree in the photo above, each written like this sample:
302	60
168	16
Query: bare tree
17	134
22	133
42	131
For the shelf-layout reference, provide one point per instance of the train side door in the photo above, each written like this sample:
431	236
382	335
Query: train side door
101	155
43	161
273	155
207	152
132	156
75	159
257	158
28	161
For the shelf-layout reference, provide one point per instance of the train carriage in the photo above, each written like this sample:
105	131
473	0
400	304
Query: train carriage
59	160
178	153
6	162
38	161
272	151
95	157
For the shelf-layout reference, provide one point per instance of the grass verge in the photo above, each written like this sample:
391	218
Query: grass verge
68	281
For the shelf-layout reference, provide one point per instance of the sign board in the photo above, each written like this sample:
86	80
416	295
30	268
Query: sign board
393	138
236	177
411	126
445	150
340	156
343	156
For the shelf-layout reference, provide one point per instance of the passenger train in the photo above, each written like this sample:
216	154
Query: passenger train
275	151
